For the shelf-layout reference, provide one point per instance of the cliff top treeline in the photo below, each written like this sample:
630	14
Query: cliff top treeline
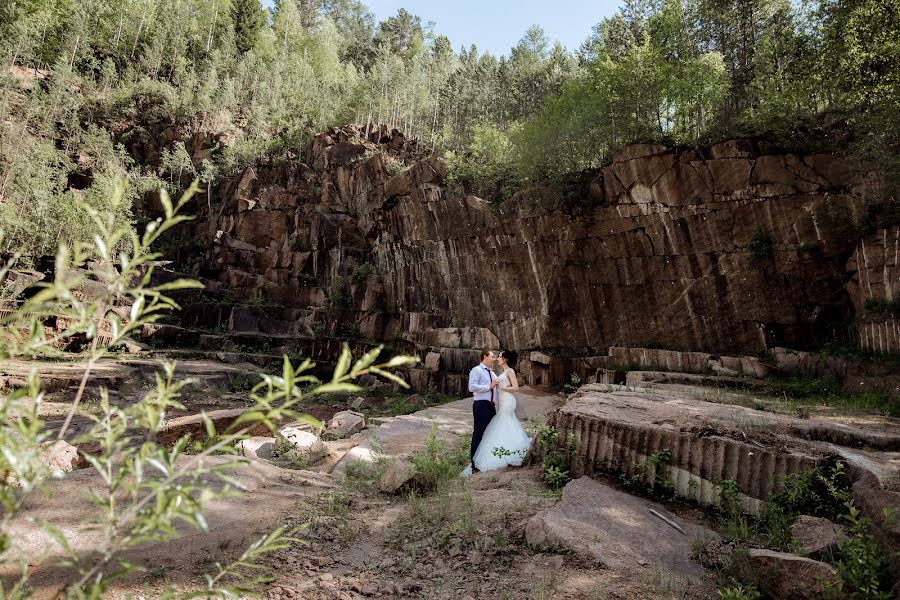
163	91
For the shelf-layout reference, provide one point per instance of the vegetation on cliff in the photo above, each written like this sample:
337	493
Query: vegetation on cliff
163	91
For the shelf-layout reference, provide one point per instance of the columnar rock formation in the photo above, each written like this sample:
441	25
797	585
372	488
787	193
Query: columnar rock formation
731	249
875	289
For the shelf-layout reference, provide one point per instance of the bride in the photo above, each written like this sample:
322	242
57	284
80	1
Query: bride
505	441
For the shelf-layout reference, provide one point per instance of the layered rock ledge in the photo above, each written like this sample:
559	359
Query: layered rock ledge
735	248
617	430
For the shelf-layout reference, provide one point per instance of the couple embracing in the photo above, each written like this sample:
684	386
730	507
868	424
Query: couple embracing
498	439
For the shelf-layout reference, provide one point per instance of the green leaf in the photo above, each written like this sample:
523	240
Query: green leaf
402	361
179	284
335	388
387	375
367	359
166	202
310	420
343	363
208	425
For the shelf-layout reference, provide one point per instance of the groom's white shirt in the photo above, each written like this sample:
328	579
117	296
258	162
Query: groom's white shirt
480	379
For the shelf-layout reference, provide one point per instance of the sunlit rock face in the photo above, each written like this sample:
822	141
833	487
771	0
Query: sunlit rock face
730	249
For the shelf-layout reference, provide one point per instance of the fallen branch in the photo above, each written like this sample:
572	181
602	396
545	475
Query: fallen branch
669	521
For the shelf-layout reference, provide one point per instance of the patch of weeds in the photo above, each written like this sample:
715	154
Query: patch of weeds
395	166
556	457
649	478
351	329
546	589
364	475
437	464
196	446
761	245
327	517
828	392
337	294
362	272
883	307
289	457
157	572
244	381
572	386
735	590
861	564
821	492
307	279
852	351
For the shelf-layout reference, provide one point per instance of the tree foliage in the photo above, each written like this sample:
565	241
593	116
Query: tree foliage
99	89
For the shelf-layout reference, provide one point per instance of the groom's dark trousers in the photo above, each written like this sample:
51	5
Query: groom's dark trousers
483	411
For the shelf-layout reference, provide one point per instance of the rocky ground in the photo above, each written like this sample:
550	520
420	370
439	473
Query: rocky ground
495	535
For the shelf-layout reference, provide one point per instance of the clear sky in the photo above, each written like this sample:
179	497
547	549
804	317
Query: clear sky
497	25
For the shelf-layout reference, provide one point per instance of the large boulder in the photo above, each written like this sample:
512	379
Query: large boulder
257	447
816	535
344	424
60	456
400	478
301	443
617	530
783	576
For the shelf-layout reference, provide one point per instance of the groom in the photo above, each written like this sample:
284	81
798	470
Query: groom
483	383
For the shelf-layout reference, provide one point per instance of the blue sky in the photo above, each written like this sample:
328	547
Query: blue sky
496	25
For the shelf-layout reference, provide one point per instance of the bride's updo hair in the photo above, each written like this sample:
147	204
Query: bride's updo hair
511	357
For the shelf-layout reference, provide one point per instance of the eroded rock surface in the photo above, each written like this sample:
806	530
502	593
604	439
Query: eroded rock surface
618	531
619	430
816	535
659	251
783	576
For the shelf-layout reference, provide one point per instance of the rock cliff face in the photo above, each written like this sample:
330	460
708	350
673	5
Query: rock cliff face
731	249
875	289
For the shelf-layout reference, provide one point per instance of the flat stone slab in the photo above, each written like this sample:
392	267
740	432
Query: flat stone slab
677	410
618	531
270	493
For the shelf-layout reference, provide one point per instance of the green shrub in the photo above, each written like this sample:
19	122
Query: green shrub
650	478
572	386
862	566
735	590
362	272
555	457
761	245
438	465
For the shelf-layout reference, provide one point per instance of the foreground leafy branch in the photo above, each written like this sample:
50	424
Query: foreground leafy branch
146	489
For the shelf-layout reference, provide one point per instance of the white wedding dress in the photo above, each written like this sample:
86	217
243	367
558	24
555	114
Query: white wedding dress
505	441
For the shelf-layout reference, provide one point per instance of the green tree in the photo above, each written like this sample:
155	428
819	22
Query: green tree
248	18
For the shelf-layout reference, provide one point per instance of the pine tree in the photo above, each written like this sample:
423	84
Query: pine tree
248	17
